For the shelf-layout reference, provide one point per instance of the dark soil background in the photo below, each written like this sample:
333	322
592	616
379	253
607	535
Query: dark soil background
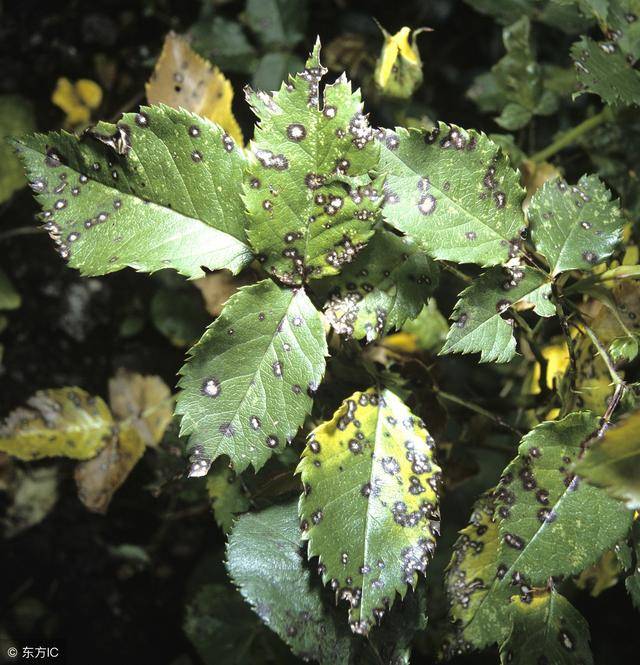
60	578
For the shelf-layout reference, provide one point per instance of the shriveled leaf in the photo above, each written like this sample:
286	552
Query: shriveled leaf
219	286
546	629
248	383
370	506
222	628
99	478
574	226
16	117
9	297
603	69
399	67
159	189
65	422
601	576
387	284
264	560
478	619
454	192
77	99
311	202
613	462
183	79
227	495
553	524
145	402
481	321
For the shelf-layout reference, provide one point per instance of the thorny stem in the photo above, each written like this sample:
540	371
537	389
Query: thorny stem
564	324
571	135
535	349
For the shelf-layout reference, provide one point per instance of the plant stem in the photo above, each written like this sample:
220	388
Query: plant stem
20	231
458	273
571	135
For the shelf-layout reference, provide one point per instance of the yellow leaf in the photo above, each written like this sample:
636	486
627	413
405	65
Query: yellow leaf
77	100
402	341
557	357
64	422
144	402
98	479
601	576
534	175
399	68
219	286
183	79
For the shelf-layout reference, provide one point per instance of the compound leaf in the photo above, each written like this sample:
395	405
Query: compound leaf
387	284
311	202
370	506
546	629
613	462
247	385
159	189
454	192
479	325
551	523
264	560
574	227
64	422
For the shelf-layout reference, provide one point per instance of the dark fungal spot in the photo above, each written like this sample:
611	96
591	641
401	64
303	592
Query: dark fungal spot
254	422
142	119
514	541
427	204
272	441
194	131
196	156
316	516
277	369
461	322
590	257
567	640
500	199
211	387
296	389
228	143
296	132
226	429
53	159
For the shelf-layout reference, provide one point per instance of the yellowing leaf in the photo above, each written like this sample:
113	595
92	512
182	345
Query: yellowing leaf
216	288
534	175
63	422
77	100
98	478
601	576
557	357
227	495
183	79
399	68
144	402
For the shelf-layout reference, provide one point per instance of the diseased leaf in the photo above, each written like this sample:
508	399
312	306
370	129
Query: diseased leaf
64	422
604	70
479	325
551	523
454	192
16	117
574	226
311	202
264	560
100	477
478	619
613	462
546	629
159	189
182	78
227	495
388	283
144	402
248	383
370	505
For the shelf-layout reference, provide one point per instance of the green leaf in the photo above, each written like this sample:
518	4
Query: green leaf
632	583
277	23
9	297
514	117
264	560
429	328
387	284
64	422
370	506
574	226
311	202
159	189
227	495
604	70
273	68
454	192
624	349
248	383
479	325
551	523
223	629
16	117
222	41
613	462
471	574
546	629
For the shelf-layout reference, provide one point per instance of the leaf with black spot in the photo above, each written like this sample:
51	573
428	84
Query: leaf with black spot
387	284
311	202
454	192
370	505
265	561
158	189
546	630
574	226
481	322
249	382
